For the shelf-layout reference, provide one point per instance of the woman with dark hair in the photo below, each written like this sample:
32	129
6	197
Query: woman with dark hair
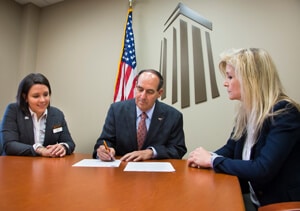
31	127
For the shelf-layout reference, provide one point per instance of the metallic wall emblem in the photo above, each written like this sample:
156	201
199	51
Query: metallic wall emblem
181	53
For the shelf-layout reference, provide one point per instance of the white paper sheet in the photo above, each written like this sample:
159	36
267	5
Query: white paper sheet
149	166
97	163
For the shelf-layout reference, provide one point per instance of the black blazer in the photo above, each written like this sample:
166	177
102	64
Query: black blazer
18	136
274	168
165	132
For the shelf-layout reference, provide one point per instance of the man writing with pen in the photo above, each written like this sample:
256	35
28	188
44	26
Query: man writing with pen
163	136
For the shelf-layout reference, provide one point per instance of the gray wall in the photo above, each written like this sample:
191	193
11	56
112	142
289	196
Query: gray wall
77	45
10	23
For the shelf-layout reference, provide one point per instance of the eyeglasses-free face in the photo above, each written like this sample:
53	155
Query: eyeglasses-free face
146	91
38	99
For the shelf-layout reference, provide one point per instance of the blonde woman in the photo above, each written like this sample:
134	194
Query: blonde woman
263	150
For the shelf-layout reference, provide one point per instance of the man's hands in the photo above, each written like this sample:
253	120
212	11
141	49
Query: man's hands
108	155
138	155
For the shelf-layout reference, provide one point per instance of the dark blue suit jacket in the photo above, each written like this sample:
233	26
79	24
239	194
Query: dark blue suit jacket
18	136
274	168
1	141
165	132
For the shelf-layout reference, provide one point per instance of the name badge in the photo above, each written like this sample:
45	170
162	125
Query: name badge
57	130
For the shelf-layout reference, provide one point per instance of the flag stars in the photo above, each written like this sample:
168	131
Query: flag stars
129	51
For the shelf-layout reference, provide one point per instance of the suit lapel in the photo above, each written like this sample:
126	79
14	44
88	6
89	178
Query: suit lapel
49	127
158	118
131	122
29	128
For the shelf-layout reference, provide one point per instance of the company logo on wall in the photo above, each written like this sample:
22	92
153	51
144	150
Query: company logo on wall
186	46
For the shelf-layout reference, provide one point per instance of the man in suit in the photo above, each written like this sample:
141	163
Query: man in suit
165	135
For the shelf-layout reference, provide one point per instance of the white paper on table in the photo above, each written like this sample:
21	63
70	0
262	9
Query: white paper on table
149	166
97	163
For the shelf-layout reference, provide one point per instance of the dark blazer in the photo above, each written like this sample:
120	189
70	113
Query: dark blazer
18	136
274	168
1	141
165	132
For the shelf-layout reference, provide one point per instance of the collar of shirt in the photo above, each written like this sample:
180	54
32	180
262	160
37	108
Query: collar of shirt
149	112
34	116
149	115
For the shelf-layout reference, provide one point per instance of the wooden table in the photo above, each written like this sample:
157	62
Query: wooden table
37	183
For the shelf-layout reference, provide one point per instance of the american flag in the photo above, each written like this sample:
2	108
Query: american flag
126	78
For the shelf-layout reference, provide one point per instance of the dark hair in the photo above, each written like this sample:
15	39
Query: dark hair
161	79
24	87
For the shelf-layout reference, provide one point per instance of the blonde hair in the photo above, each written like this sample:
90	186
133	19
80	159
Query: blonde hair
261	89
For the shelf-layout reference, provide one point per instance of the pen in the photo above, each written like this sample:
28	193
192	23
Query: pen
106	147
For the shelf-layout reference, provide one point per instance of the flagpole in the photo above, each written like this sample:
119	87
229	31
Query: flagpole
130	3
